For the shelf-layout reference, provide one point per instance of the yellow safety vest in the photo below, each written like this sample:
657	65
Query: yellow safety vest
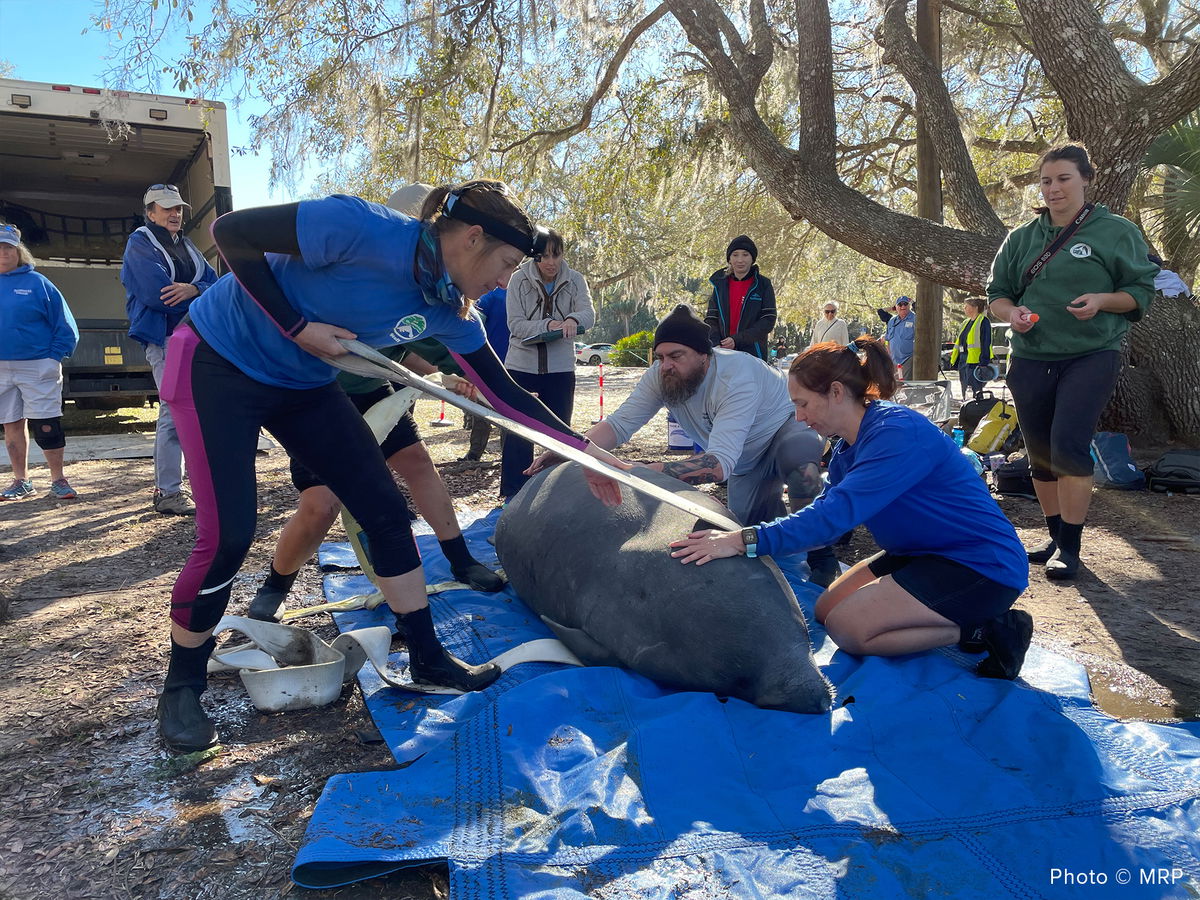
971	332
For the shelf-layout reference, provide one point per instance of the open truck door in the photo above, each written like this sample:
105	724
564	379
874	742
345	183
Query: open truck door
74	165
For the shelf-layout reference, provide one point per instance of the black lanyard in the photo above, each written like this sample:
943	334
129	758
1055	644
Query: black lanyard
1052	248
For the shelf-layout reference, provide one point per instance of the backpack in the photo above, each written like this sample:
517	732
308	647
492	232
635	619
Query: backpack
972	412
1114	465
996	427
1177	471
1013	479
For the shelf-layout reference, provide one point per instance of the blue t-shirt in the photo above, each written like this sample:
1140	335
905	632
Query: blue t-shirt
905	479
494	307
355	270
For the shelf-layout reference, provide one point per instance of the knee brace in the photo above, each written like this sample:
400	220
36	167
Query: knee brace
804	484
48	433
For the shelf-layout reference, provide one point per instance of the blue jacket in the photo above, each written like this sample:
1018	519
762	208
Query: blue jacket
905	479
35	322
145	270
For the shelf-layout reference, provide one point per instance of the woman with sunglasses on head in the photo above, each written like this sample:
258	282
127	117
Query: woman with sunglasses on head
302	276
37	331
830	327
163	272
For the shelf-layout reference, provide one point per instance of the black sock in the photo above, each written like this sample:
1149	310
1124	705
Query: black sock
281	583
1052	523
189	666
457	553
1069	538
417	628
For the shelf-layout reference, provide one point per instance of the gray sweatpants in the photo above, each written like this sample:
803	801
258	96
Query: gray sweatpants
757	496
168	454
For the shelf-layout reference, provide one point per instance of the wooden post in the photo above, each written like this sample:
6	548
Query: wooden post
929	204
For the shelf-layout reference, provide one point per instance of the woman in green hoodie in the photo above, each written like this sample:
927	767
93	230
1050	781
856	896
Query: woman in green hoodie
1069	306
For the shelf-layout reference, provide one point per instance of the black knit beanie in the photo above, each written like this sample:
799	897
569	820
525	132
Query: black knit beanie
742	242
682	327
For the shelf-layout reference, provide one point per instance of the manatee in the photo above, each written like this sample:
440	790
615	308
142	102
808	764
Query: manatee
604	580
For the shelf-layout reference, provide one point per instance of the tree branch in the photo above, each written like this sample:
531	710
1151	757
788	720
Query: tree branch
548	138
963	190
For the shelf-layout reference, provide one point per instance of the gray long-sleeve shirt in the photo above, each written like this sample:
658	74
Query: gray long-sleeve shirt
734	414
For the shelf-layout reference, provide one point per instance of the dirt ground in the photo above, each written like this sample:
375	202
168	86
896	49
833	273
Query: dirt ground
93	808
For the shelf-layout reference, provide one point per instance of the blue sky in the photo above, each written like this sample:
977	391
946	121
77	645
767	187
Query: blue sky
42	39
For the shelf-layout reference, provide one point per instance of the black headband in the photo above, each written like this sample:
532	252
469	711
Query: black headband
534	245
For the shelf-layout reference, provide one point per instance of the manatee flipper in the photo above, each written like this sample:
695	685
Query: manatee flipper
583	645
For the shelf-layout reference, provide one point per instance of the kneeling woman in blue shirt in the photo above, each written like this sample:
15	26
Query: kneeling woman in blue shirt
249	356
951	563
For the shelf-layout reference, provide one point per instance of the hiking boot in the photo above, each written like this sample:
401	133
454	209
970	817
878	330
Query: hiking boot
478	577
182	723
450	671
1062	566
1007	640
1042	552
18	490
177	504
60	490
266	605
972	641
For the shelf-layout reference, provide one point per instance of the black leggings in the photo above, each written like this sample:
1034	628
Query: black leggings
1058	405
218	411
557	391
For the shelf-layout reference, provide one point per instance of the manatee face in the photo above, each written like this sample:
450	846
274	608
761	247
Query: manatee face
605	581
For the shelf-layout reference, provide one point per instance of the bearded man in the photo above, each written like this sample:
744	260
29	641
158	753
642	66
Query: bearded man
737	408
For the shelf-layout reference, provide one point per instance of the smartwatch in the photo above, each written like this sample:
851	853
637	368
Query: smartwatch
750	541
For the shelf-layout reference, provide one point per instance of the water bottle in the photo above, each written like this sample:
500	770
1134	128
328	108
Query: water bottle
957	434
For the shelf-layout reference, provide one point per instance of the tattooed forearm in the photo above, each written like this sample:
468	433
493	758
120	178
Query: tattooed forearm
704	469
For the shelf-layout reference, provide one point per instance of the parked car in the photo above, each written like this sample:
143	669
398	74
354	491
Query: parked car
592	354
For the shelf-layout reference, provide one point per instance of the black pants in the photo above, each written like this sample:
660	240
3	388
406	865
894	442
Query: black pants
557	391
1058	404
218	411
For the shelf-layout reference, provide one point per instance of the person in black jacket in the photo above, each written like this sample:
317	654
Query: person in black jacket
741	312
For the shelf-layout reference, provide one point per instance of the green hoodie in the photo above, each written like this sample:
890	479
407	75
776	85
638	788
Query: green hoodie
1105	255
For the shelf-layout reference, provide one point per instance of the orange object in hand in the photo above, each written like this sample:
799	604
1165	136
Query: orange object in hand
1033	317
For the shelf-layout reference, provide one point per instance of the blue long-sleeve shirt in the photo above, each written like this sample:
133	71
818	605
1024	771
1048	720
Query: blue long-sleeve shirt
146	269
905	479
494	307
35	322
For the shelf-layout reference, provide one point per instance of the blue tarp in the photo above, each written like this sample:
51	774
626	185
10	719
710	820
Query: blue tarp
924	781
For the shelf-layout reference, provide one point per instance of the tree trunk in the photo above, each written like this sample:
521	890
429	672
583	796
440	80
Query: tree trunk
1158	394
928	350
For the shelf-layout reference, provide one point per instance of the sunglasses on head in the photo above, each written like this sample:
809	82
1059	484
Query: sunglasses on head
163	187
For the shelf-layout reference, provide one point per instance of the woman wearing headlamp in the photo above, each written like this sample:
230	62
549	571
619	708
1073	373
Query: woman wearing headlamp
302	276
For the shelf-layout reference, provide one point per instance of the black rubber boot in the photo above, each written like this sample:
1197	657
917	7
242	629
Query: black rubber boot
823	566
467	569
1042	552
1007	640
431	664
269	599
183	725
1064	564
267	605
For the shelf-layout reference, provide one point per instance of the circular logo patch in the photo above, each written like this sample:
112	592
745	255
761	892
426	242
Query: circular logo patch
1081	251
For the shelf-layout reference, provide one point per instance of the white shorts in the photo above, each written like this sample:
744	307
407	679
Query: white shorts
30	389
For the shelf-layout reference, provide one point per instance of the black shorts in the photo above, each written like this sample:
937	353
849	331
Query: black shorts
950	589
404	434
